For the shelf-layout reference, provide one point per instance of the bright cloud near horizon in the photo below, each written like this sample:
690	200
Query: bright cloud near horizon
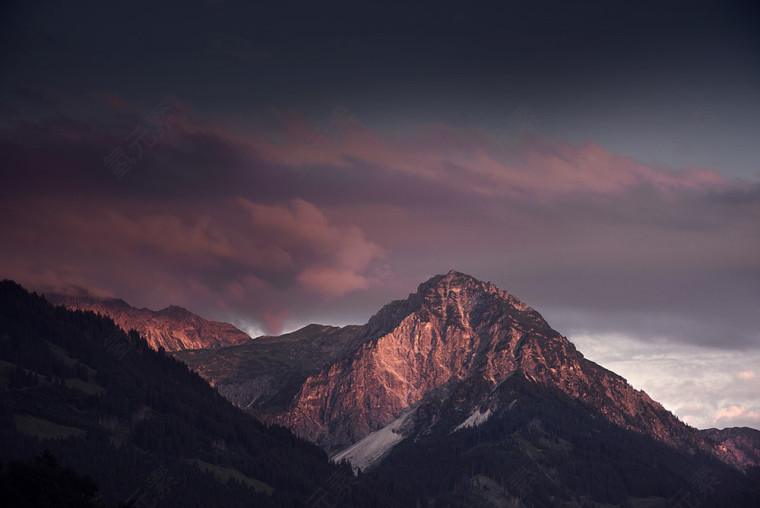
275	167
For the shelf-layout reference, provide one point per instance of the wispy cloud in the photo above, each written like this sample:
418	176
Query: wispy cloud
731	414
474	161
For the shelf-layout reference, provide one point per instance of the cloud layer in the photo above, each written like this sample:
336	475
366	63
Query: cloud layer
704	387
279	220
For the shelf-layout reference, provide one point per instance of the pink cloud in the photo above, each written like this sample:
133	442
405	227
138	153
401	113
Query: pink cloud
475	162
736	412
747	374
340	253
237	290
331	281
274	319
470	161
198	238
237	255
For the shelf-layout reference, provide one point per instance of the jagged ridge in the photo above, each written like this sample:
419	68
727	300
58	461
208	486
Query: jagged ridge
173	328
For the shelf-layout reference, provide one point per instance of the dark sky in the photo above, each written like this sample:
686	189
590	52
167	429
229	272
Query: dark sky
274	165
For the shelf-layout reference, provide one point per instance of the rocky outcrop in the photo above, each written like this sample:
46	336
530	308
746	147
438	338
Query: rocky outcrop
268	371
173	328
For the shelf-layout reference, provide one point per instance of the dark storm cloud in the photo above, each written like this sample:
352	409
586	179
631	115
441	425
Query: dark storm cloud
61	142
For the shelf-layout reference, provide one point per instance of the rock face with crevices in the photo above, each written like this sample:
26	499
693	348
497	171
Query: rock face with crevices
455	329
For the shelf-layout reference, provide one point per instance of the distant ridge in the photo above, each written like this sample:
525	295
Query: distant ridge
172	328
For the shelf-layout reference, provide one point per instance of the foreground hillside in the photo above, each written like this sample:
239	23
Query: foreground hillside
140	423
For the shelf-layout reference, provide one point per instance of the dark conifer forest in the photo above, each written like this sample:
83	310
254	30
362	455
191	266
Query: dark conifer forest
86	404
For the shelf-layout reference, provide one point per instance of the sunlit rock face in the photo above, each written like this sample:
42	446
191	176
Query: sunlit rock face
173	328
441	355
454	327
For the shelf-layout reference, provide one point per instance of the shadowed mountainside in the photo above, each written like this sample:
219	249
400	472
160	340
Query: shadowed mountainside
140	423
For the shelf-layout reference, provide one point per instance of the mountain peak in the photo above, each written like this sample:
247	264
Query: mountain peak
449	278
464	288
453	294
175	311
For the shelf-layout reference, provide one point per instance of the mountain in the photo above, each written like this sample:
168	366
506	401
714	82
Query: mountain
269	371
172	328
471	385
454	329
87	408
743	443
